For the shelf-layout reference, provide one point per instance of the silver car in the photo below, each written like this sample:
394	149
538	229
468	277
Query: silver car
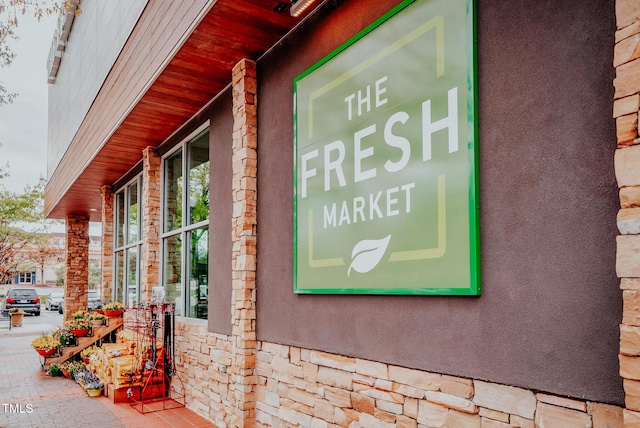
53	301
93	299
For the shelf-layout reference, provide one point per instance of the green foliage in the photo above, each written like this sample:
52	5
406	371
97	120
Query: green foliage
95	273
60	272
19	213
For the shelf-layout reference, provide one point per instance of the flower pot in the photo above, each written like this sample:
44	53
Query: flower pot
66	373
99	311
94	392
16	320
80	332
97	323
113	314
46	352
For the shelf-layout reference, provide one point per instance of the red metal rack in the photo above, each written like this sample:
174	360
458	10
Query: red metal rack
156	385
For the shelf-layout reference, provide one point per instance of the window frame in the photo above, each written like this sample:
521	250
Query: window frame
185	230
124	190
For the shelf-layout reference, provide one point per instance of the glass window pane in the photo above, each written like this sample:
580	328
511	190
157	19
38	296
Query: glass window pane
119	219
119	277
132	229
198	150
173	192
173	271
198	273
132	276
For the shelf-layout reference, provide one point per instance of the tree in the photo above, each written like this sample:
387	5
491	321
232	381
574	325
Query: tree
10	11
41	251
18	212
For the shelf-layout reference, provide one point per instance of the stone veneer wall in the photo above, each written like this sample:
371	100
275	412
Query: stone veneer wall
77	264
627	166
106	282
149	269
243	236
202	362
306	388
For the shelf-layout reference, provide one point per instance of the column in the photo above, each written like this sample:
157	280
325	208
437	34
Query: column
243	310
77	263
150	263
106	283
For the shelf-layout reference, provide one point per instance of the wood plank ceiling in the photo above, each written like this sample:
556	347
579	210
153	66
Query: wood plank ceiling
230	31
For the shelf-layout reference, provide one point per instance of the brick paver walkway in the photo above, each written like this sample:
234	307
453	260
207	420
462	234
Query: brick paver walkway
29	398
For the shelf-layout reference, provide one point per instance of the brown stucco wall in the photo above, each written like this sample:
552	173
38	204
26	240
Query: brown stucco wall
220	214
549	313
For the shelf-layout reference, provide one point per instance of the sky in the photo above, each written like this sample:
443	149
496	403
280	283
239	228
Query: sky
23	124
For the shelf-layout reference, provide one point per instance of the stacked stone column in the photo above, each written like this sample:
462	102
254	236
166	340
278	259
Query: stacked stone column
149	274
627	167
106	292
244	158
77	264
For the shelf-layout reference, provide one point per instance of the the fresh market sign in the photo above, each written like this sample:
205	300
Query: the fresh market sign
385	193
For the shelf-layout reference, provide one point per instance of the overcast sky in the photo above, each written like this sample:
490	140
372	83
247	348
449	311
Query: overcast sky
23	124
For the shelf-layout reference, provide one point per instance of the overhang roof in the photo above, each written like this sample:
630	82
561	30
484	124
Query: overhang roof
159	81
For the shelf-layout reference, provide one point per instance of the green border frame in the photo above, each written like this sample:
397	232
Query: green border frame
474	205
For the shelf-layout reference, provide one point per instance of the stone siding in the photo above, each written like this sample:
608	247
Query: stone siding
202	362
106	282
243	235
77	263
627	167
150	264
312	389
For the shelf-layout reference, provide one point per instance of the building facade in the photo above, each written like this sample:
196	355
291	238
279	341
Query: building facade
191	131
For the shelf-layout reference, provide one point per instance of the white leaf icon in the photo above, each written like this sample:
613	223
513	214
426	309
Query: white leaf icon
367	254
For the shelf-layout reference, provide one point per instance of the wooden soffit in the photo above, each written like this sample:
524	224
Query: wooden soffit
175	61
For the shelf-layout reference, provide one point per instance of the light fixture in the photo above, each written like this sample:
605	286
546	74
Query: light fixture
299	6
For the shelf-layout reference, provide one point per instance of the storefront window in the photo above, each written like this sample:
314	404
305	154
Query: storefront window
173	271
119	277
185	272
128	244
198	273
132	214
119	211
173	192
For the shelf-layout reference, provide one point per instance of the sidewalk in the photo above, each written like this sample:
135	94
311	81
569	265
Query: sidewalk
29	398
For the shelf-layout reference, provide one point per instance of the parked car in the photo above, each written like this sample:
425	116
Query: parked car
25	298
93	297
53	301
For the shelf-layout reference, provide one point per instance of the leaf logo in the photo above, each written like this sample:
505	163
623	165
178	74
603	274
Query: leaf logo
367	254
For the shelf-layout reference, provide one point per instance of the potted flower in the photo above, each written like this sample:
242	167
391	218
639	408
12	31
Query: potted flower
45	345
97	320
65	337
90	382
79	327
86	353
17	315
64	368
79	315
93	387
113	309
76	367
98	308
55	370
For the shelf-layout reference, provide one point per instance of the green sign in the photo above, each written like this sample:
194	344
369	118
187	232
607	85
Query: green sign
385	162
